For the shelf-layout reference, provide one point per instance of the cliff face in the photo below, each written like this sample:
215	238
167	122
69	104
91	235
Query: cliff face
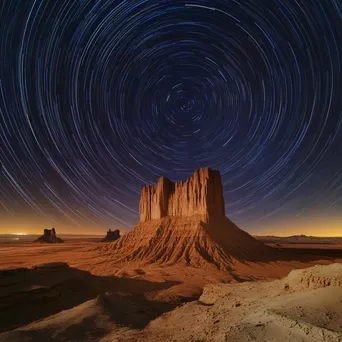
185	223
200	194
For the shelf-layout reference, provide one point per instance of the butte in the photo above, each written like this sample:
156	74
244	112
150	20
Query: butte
185	223
49	237
112	235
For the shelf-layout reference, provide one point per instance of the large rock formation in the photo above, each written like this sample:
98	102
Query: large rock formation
49	237
112	235
200	195
184	223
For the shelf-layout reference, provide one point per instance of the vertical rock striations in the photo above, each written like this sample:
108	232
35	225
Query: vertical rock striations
200	194
185	223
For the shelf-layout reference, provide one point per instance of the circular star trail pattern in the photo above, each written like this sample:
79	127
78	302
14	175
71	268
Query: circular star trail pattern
98	98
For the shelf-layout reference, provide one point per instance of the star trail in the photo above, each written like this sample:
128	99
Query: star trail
98	98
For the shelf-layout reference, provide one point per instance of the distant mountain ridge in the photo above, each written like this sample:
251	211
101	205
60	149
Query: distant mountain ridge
298	239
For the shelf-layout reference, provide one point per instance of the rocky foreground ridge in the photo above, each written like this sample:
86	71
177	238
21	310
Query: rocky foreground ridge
280	310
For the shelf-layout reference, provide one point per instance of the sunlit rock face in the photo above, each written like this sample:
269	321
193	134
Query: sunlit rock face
200	194
184	223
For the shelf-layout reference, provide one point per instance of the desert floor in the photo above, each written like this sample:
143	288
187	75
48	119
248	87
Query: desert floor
89	286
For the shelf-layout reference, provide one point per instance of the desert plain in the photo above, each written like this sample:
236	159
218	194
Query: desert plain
185	272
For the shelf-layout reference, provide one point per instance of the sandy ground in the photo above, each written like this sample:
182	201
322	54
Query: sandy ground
92	298
85	256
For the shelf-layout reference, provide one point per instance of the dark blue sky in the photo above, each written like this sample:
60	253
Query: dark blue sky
98	98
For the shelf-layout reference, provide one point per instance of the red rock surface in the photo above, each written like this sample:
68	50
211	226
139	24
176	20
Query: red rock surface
188	241
185	223
200	194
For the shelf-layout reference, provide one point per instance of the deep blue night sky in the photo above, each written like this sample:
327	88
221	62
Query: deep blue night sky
98	98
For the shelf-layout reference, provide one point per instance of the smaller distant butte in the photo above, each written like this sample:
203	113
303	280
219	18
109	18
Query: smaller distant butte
49	237
112	235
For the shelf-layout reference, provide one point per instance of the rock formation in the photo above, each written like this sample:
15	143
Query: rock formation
49	237
200	195
112	235
185	223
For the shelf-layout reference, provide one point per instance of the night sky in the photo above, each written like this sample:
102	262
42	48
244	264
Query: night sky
98	98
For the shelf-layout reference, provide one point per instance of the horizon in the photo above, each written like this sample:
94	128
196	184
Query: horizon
309	227
101	235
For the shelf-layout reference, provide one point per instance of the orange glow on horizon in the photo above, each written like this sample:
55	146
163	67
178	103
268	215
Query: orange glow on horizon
36	227
310	226
313	226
